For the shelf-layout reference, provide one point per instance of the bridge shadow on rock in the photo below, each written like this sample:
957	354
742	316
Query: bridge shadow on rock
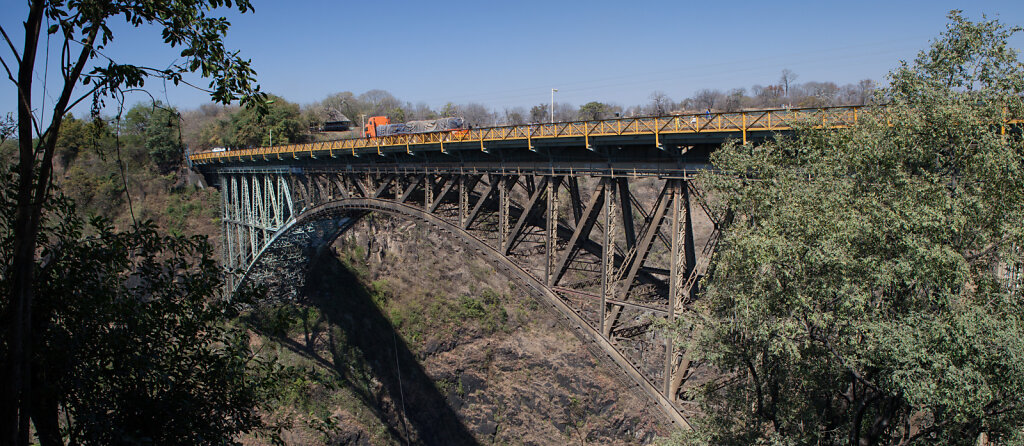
365	335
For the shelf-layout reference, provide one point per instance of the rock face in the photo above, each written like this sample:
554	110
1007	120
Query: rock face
411	339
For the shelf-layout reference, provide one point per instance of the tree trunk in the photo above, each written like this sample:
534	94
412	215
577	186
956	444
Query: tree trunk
16	406
44	414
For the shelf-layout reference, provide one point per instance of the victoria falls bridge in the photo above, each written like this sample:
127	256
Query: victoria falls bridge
600	220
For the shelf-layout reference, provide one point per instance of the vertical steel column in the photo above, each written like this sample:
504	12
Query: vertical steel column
259	214
246	220
236	199
254	234
227	249
683	266
676	281
428	191
608	255
463	201
286	192
503	205
688	245
551	229
574	198
628	228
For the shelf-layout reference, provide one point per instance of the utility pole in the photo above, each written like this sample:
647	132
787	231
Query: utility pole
553	90
271	128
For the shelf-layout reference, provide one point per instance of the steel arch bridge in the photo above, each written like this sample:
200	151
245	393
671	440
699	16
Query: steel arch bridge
600	219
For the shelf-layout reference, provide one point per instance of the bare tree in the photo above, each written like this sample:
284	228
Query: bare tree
475	114
787	78
688	104
565	112
825	93
707	99
420	111
866	90
661	104
200	127
635	110
515	116
735	99
378	102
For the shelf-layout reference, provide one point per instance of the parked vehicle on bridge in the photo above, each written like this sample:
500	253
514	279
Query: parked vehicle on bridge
381	126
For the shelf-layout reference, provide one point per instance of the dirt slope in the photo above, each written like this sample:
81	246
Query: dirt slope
409	339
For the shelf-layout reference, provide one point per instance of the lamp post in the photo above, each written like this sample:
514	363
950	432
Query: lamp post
553	90
271	128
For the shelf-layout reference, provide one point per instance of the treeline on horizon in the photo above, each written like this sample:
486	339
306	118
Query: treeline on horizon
211	125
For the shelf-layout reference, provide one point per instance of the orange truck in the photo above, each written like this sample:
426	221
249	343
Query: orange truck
378	126
370	129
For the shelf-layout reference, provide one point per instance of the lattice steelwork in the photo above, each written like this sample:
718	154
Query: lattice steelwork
599	218
254	208
612	253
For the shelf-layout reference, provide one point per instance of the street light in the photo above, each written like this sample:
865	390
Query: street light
553	90
271	128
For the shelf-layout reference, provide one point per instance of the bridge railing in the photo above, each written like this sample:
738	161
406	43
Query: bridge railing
715	122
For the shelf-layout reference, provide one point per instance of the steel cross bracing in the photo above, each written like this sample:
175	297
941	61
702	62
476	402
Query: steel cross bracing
613	254
600	218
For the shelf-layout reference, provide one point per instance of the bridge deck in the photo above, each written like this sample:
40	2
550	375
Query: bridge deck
680	129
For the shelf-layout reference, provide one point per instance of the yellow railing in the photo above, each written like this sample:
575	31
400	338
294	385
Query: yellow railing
722	122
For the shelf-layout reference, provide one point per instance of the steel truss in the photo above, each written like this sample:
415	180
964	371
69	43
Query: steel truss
616	254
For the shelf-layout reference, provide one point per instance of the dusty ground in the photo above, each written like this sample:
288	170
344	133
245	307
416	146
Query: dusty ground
411	340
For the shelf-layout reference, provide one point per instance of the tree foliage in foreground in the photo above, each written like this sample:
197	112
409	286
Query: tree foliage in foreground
859	294
82	30
131	348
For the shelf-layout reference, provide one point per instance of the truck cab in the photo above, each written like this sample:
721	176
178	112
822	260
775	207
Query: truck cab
370	130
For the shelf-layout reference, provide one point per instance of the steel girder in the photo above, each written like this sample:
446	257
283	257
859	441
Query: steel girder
585	242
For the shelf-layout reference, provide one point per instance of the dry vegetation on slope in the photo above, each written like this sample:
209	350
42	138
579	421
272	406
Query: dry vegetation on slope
470	357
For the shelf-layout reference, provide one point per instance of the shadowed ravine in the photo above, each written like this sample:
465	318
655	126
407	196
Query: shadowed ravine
368	337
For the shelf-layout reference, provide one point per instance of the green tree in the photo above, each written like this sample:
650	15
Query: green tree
539	113
83	29
129	343
77	135
156	128
7	127
215	133
860	294
281	120
397	114
593	110
449	110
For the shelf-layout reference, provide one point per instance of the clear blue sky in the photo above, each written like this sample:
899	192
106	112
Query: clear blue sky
512	53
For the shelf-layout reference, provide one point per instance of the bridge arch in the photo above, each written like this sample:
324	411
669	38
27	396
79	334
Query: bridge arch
323	224
609	251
